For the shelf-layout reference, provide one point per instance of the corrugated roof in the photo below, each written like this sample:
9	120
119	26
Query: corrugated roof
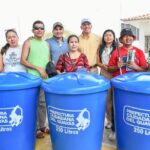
141	17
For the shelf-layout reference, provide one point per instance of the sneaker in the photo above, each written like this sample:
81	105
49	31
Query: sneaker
108	125
112	136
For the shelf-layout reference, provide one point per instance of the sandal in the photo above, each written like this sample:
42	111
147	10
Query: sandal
39	134
45	130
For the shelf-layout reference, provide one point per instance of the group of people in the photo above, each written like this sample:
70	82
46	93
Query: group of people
89	51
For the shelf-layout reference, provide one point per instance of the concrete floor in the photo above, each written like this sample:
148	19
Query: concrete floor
45	144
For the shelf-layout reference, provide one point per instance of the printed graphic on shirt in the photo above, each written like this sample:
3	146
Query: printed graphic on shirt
130	57
12	59
125	60
69	121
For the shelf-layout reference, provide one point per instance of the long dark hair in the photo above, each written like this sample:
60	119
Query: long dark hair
6	46
102	46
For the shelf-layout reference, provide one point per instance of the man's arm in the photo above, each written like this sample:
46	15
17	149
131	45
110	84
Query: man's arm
115	68
24	61
1	63
142	66
113	64
137	68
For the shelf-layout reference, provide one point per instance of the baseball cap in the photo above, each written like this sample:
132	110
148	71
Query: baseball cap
57	24
127	31
86	20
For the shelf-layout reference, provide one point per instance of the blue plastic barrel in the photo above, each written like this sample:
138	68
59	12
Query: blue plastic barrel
132	111
76	105
18	104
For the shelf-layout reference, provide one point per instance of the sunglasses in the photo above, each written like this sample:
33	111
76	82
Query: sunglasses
38	28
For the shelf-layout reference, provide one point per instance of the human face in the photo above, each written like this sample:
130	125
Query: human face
58	32
127	40
108	38
73	44
38	30
12	39
86	27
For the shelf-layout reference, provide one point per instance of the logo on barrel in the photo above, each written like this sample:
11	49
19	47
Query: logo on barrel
69	121
138	118
10	117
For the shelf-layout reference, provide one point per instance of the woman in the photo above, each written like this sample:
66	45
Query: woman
11	53
72	60
106	48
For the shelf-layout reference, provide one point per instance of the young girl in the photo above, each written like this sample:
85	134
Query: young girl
72	60
106	48
11	53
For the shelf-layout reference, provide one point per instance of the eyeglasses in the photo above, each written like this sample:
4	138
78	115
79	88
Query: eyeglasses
38	28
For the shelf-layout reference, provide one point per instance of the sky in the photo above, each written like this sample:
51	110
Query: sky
104	14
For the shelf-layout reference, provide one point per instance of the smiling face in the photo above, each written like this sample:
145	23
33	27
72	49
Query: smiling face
58	32
73	43
12	38
86	27
38	30
108	37
127	40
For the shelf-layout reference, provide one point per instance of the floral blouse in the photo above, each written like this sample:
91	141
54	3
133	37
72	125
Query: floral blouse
66	64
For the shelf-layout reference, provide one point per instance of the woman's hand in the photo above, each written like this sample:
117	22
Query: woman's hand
105	67
58	72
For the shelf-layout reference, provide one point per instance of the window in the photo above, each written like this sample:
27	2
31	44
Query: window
147	43
133	28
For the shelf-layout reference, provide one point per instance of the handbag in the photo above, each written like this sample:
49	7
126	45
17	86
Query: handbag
51	69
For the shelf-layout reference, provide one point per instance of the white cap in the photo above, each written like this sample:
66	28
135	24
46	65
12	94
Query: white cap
85	20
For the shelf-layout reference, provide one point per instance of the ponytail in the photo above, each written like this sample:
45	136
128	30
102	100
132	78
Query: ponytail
5	48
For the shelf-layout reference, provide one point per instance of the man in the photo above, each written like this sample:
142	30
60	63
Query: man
131	57
89	42
148	60
127	58
58	44
35	56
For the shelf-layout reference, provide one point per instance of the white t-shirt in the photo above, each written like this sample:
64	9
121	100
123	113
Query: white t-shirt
106	55
11	60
